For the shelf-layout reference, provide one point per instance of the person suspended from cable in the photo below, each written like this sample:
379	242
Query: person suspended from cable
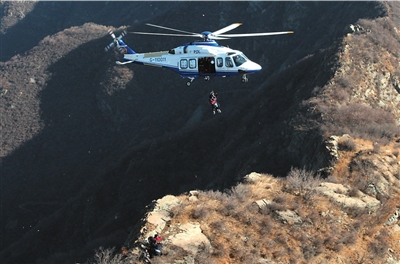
213	101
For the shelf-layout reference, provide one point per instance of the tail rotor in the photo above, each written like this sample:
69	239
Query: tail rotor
115	40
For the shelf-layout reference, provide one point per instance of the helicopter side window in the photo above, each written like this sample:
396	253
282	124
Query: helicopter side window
220	62
184	64
228	62
192	63
239	60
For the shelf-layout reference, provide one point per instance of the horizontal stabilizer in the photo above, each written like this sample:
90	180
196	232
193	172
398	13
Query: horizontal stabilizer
122	63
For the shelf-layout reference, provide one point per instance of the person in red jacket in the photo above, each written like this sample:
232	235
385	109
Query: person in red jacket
158	238
213	102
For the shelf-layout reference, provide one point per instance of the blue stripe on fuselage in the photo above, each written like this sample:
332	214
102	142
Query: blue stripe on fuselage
194	74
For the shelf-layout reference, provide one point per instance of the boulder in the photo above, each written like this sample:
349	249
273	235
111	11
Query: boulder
338	194
289	217
190	237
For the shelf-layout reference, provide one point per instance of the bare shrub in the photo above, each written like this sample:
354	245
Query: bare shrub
344	81
218	226
279	253
362	165
299	234
241	192
383	133
229	207
357	225
364	121
354	192
316	90
106	256
332	179
301	180
249	257
243	215
347	144
265	210
329	241
313	249
356	113
349	237
265	226
318	244
314	217
379	247
176	210
281	199
200	212
214	195
339	93
308	251
203	255
281	238
332	243
219	250
276	207
293	206
170	256
357	212
360	184
337	247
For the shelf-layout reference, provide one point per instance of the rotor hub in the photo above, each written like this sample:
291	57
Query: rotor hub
206	35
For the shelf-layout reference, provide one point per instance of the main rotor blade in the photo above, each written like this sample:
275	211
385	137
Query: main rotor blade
177	30
215	37
255	34
226	29
165	34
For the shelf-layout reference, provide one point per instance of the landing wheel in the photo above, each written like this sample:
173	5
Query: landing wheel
188	83
244	79
207	78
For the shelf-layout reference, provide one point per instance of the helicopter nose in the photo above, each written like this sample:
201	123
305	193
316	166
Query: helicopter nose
253	67
249	67
257	67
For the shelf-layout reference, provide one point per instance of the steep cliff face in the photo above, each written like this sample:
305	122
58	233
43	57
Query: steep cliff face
107	140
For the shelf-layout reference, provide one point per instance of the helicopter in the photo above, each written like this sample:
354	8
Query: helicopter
200	58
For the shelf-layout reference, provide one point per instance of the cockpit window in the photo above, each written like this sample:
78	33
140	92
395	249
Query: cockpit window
228	62
239	60
220	62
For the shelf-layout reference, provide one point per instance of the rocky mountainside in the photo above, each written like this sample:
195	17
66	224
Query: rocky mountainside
87	144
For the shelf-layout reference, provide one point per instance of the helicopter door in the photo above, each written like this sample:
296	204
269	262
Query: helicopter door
207	65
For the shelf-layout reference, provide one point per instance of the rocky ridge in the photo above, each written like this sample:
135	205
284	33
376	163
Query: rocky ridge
361	217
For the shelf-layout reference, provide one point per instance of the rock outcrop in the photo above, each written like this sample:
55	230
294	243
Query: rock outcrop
360	220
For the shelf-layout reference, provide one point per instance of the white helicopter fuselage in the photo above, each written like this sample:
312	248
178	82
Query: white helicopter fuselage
202	58
198	59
